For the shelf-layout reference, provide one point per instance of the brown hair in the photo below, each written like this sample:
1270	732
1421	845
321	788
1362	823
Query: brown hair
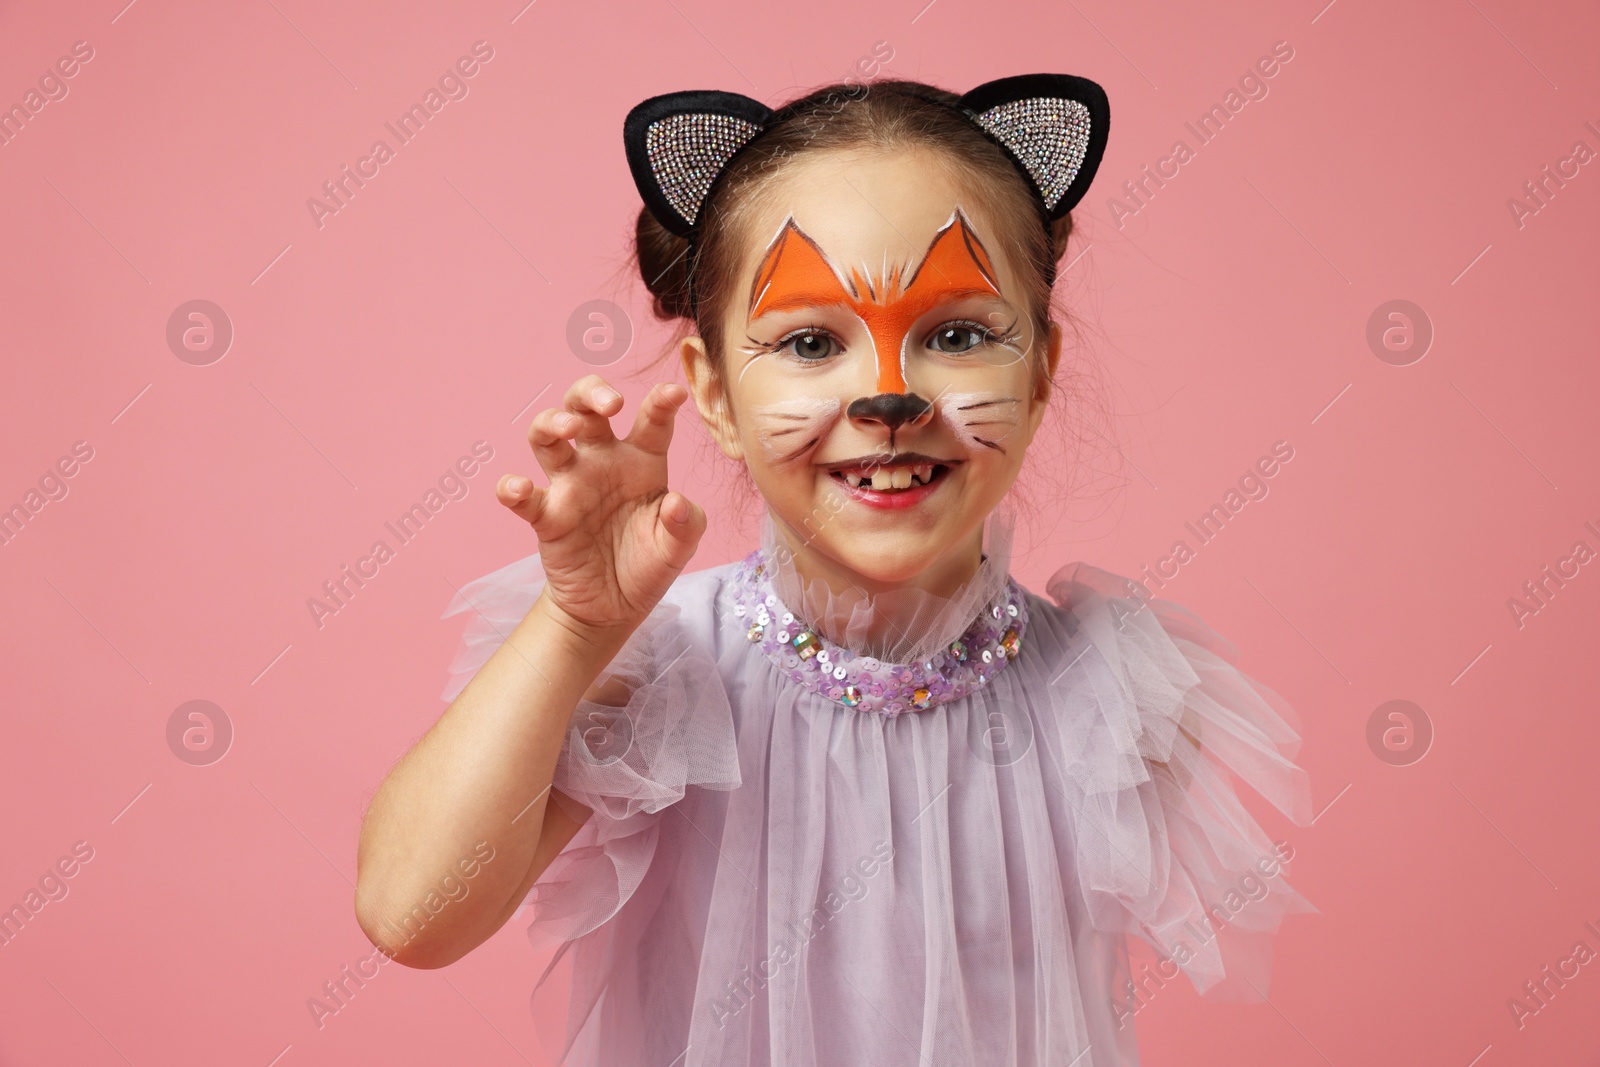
884	114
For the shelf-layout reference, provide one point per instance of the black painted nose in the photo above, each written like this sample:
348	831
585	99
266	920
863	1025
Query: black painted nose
892	409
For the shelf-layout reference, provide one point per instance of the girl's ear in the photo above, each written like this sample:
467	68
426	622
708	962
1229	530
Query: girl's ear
679	143
710	398
1054	128
1041	395
1053	353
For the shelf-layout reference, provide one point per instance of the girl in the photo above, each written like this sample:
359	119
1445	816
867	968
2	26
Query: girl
859	797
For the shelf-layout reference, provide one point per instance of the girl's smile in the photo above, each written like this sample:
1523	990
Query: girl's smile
899	481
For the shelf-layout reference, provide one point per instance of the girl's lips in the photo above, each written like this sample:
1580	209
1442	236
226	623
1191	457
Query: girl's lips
898	498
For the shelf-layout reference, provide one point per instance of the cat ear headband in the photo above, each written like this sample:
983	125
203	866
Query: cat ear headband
1052	127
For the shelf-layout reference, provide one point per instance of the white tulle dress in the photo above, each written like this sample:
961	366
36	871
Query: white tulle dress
913	831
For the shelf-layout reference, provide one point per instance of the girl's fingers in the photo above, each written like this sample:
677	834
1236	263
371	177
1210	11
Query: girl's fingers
652	426
522	496
593	401
548	435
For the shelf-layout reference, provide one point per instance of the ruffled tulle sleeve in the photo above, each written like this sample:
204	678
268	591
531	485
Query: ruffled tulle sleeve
1160	729
671	728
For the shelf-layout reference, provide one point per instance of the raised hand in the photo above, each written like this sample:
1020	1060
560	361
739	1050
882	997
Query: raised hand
612	536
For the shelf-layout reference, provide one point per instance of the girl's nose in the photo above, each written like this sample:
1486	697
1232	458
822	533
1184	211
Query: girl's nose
893	410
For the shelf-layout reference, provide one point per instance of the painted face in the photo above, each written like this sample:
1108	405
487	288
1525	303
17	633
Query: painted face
796	274
881	368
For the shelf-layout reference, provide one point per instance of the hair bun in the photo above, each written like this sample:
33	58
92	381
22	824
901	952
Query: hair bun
664	266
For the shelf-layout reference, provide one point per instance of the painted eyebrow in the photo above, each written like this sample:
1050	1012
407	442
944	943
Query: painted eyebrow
799	301
803	300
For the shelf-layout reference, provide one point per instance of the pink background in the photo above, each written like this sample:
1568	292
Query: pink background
1228	313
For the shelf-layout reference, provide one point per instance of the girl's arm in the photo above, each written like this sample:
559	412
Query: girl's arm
462	826
559	829
480	775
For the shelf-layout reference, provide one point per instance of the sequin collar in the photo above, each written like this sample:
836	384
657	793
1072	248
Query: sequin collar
862	682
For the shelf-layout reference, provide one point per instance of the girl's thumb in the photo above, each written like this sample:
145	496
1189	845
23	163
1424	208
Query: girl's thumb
682	522
527	502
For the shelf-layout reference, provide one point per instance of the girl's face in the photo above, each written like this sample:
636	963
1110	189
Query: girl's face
880	370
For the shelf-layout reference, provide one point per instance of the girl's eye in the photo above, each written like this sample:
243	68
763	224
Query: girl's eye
956	338
809	345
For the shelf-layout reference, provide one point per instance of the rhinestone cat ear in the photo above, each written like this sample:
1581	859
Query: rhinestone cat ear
678	143
1053	126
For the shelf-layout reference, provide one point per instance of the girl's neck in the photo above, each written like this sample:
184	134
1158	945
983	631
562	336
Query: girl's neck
897	622
944	577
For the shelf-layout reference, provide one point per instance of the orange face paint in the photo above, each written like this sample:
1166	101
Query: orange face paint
796	273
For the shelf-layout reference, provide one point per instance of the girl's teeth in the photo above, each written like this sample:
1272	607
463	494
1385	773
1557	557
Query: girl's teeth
884	479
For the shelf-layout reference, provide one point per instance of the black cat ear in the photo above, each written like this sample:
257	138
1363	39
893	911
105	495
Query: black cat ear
679	143
1054	128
